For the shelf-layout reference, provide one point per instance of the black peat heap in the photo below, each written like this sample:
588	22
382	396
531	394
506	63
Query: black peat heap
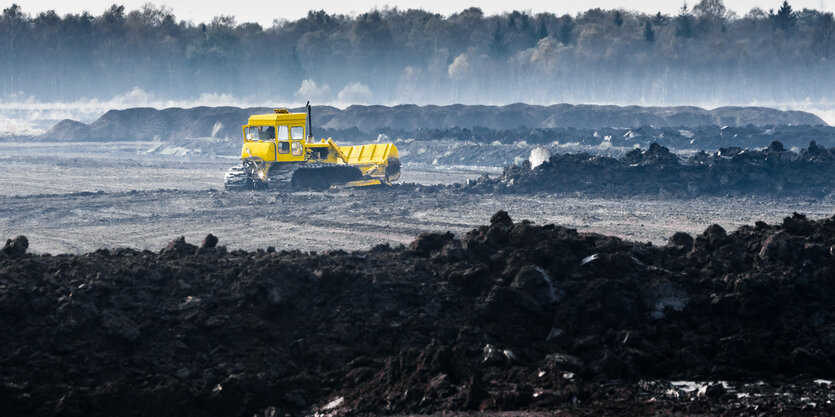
512	316
656	171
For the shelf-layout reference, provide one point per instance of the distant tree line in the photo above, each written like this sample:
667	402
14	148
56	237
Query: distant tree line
702	54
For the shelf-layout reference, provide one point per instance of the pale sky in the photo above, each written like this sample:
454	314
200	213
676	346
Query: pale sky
264	11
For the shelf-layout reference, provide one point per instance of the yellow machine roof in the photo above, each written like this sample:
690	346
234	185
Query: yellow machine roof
279	117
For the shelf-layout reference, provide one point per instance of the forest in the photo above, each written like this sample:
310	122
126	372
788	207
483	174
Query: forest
705	53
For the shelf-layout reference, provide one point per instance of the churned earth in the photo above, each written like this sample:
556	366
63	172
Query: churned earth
510	316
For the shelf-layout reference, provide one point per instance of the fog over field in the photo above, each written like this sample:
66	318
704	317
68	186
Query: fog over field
80	65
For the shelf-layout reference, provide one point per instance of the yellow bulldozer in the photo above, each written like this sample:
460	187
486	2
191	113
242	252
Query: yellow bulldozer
279	151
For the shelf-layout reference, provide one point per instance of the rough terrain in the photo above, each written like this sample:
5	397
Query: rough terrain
510	316
773	171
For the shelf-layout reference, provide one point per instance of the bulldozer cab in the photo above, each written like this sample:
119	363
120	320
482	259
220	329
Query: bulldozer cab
275	137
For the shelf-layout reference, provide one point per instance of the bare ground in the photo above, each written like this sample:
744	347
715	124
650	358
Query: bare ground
82	197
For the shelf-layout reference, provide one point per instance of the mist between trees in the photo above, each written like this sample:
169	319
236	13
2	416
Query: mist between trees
703	54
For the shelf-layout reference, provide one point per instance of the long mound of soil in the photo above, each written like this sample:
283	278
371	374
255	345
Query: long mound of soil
676	137
512	316
656	171
177	123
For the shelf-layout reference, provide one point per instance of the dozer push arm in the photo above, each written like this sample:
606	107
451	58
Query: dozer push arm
335	148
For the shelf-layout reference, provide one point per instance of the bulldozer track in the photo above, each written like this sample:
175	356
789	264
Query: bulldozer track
236	178
324	176
307	176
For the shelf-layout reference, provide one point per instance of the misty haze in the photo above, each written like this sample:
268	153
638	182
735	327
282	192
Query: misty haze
703	56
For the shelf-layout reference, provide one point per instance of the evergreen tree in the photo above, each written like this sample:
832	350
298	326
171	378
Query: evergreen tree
785	18
618	18
649	34
542	31
659	19
565	30
684	21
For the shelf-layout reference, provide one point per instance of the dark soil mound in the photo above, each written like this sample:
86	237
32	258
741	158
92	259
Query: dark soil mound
656	171
512	316
675	137
362	122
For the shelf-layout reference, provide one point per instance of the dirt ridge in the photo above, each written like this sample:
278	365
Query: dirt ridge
197	122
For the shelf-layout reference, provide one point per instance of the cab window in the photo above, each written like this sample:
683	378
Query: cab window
283	140
297	148
297	132
282	133
261	133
